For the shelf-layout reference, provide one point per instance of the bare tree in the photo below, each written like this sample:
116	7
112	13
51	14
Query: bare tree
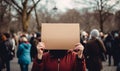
86	19
104	11
37	20
117	19
102	8
71	16
5	16
24	9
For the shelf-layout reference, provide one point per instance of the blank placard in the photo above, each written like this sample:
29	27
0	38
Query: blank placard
60	36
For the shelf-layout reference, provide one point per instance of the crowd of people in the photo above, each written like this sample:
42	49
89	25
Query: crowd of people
110	42
7	47
94	48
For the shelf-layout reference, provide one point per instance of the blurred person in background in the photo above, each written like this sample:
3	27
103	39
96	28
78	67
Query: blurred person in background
6	50
34	40
84	38
9	50
116	48
102	36
1	51
93	51
108	44
15	43
118	51
23	54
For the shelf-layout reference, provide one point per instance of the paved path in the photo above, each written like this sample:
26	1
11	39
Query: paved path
108	68
15	66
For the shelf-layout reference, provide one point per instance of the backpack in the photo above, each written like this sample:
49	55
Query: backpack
9	49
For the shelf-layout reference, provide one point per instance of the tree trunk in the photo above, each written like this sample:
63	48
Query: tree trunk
101	26
25	22
101	21
25	19
25	25
37	20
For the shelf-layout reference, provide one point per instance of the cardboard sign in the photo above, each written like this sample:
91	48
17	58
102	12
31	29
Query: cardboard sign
60	36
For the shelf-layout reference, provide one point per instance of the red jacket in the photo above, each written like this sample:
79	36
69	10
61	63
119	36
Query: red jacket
69	62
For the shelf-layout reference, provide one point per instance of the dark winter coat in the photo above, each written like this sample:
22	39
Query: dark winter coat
93	50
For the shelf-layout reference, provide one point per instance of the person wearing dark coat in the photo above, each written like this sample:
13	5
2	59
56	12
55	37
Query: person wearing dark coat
116	49
108	44
93	50
59	60
6	51
1	52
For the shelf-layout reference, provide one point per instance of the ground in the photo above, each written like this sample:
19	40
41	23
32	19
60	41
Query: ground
15	66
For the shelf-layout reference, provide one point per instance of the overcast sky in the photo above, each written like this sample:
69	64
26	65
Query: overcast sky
62	5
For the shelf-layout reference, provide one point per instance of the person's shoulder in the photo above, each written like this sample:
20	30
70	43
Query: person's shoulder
28	43
99	40
21	45
91	41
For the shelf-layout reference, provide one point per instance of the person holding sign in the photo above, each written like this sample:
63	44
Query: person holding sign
59	60
60	40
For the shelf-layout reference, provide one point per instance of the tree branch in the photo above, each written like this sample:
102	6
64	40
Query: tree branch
36	16
18	10
13	1
33	7
113	5
25	4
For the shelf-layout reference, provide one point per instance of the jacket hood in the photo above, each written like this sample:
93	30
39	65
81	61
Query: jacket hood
26	45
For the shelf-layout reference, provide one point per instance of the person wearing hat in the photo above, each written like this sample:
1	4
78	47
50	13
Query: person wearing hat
94	49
